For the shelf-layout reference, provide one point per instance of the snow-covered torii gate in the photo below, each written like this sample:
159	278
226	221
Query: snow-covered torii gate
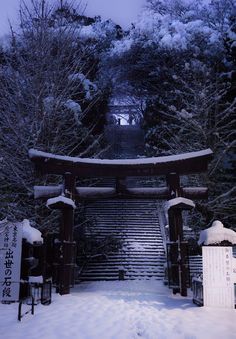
63	197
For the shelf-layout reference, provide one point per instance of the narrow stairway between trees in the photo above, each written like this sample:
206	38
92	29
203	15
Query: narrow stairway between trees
131	225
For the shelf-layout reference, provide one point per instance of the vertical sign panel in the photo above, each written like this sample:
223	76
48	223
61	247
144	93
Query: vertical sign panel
10	260
218	282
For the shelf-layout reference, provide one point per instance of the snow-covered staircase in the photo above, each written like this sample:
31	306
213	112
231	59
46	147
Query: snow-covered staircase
134	223
125	141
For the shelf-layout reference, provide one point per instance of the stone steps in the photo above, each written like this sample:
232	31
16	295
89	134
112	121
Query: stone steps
135	224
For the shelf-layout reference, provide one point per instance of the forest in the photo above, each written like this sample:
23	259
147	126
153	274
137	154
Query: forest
60	68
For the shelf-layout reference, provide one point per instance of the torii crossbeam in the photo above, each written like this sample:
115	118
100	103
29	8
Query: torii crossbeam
186	163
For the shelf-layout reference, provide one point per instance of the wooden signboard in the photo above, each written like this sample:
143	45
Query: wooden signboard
10	260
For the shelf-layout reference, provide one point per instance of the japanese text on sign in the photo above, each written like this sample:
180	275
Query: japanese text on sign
10	260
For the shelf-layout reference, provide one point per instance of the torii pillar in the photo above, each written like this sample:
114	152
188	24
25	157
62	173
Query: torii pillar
65	203
176	205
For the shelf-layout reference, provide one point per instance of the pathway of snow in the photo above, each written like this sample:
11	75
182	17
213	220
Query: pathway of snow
119	310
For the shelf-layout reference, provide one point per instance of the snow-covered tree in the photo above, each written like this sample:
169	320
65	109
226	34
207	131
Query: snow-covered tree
48	92
175	56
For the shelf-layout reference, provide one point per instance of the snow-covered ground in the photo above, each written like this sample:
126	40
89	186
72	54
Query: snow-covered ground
119	310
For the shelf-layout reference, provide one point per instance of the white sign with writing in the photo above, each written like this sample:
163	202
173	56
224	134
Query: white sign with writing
218	276
10	260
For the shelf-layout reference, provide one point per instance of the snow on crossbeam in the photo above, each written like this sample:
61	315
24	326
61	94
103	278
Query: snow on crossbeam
185	163
46	192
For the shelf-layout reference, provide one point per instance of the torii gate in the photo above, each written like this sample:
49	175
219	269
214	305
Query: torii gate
63	197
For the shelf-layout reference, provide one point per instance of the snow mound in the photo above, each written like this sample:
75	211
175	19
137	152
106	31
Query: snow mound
73	106
31	234
216	234
37	279
61	198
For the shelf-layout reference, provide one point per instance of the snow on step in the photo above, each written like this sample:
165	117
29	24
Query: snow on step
134	223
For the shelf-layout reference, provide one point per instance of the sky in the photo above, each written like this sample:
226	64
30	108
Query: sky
122	12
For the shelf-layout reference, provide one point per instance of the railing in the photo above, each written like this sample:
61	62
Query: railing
25	301
41	292
33	294
197	287
164	233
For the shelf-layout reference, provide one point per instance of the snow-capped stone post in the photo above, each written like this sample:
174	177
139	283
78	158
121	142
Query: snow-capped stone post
32	270
219	266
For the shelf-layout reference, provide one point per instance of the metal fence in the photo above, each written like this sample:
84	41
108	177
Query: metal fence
41	292
32	294
29	301
197	287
